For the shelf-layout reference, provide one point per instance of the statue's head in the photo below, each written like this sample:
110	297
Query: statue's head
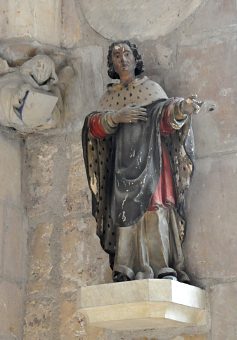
136	59
39	71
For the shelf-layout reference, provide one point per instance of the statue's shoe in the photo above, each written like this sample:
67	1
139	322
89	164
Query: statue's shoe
170	277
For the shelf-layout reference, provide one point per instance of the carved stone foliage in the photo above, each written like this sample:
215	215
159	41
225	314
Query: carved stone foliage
31	95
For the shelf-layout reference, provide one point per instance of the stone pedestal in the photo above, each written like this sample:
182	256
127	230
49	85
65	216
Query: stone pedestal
143	304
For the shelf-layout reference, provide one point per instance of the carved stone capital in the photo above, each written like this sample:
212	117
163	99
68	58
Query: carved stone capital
31	95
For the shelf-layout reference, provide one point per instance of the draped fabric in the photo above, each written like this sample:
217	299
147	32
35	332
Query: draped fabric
123	170
137	167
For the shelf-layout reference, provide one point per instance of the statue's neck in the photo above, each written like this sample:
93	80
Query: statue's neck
126	79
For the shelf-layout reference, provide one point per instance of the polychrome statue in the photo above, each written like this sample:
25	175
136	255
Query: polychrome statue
138	152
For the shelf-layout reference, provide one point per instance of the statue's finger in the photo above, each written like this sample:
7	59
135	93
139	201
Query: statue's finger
139	109
142	118
193	96
135	113
196	107
198	102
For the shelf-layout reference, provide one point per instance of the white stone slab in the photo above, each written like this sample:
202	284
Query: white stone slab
38	108
143	304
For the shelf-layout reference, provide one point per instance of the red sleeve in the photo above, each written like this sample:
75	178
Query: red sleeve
96	128
164	193
165	126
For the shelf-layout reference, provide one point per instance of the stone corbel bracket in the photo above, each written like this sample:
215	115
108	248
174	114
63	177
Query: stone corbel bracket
143	304
31	95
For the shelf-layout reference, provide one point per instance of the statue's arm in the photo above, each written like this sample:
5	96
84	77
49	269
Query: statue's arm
177	116
172	119
178	112
101	124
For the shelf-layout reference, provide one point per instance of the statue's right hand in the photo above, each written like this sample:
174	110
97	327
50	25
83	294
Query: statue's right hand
130	114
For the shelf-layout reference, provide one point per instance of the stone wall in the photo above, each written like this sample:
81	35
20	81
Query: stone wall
193	54
196	58
13	237
52	22
64	250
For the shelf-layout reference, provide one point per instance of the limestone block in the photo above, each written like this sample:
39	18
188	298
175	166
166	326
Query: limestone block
14	247
41	173
88	63
74	203
40	20
164	55
2	212
52	22
211	233
38	319
143	304
40	258
201	69
214	17
78	196
71	241
70	24
6	336
82	259
92	258
191	337
10	171
11	306
78	201
72	324
223	311
77	175
94	333
137	19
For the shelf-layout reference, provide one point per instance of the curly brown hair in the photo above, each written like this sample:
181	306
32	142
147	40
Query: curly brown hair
138	59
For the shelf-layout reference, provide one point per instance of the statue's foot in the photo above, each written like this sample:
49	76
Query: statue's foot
144	275
120	277
170	277
147	273
167	273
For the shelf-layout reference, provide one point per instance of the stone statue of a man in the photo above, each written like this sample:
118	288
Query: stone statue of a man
138	149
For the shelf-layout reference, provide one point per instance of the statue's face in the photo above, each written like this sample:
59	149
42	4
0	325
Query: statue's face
123	60
39	72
